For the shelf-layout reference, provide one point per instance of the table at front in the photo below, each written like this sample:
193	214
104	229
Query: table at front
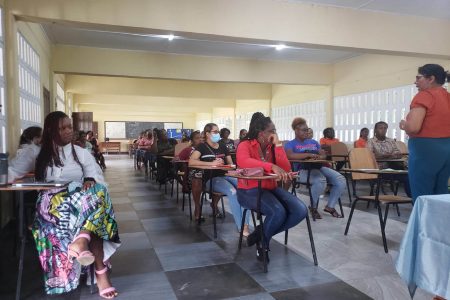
211	171
20	191
424	255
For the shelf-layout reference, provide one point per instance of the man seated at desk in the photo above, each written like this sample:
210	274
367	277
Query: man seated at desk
385	148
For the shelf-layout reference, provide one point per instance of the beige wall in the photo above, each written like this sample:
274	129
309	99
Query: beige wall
374	72
96	61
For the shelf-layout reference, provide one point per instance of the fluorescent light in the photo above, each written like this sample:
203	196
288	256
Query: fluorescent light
280	47
170	37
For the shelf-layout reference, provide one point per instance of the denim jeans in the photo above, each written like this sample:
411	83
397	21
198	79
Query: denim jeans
318	180
282	209
227	186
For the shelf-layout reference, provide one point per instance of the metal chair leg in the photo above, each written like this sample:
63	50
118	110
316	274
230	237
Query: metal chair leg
311	240
350	216
383	235
241	233
223	208
340	207
286	233
386	212
92	271
398	209
190	206
201	208
183	201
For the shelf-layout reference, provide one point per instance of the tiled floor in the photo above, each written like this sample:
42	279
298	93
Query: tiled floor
165	256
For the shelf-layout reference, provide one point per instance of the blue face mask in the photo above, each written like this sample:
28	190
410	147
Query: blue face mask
215	137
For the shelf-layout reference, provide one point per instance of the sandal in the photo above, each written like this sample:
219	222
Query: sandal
85	258
103	292
314	213
332	212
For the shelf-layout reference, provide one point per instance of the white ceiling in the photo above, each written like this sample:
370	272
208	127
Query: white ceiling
60	34
438	9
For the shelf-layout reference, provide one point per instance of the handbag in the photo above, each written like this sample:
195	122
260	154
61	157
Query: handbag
248	172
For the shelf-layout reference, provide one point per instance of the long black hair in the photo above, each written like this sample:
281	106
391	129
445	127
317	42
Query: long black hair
29	134
49	154
258	123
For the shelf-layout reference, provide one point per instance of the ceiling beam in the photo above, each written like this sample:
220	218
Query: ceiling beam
253	21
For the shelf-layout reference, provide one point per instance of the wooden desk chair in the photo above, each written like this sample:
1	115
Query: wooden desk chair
180	147
363	158
402	147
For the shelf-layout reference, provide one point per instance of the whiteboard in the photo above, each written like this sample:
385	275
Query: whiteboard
115	130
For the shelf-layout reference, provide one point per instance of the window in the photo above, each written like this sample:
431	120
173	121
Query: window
242	121
60	99
29	84
2	90
353	112
313	112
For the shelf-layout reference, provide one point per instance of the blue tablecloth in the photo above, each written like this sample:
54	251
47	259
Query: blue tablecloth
424	258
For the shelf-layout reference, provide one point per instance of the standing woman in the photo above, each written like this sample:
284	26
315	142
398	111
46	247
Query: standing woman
282	209
74	225
428	126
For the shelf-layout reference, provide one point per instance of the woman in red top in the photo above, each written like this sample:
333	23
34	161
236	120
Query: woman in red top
363	137
428	126
282	209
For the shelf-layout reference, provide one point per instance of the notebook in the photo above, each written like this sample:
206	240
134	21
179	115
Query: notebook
33	182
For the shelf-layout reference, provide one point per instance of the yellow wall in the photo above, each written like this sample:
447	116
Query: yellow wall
374	72
96	61
246	106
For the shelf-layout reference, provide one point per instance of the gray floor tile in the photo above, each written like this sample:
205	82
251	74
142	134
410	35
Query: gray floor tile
167	223
131	262
212	282
176	236
121	207
329	291
259	296
126	216
126	226
154	205
176	257
134	241
158	212
152	285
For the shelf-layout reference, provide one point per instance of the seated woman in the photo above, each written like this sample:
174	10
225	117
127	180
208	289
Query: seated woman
225	140
363	137
145	145
242	135
96	150
303	148
211	153
25	159
162	146
328	140
184	155
74	225
83	142
386	148
282	209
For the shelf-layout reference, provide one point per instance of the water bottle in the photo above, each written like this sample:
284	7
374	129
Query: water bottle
3	169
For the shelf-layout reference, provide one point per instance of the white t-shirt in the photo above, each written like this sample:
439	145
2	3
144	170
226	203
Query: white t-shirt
24	162
71	170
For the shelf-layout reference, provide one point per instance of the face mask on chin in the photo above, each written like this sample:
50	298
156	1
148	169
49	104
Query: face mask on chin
215	137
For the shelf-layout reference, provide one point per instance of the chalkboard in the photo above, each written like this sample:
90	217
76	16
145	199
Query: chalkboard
131	130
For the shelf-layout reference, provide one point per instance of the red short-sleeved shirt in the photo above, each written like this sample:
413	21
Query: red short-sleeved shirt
360	143
328	142
436	123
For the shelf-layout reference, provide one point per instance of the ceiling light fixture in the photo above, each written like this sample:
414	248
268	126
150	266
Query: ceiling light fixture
170	37
280	47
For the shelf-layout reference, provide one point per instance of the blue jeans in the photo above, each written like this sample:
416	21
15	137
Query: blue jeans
428	166
282	209
227	186
318	180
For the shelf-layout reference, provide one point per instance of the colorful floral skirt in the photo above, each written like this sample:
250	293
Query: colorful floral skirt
60	215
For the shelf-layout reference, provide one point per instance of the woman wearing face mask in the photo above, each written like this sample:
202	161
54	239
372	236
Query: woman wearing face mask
211	153
281	209
29	147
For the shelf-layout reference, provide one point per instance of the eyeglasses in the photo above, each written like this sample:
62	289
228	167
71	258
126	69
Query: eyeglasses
419	76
